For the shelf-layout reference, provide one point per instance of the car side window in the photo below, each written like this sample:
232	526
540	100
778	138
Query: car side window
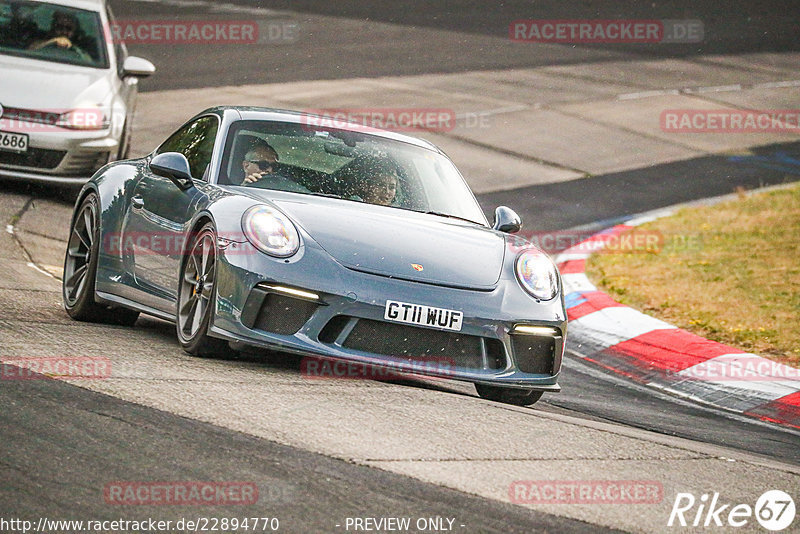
196	142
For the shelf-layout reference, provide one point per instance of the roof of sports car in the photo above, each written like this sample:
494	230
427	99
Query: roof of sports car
287	115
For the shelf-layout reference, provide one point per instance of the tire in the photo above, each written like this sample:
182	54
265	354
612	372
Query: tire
518	397
197	290
80	270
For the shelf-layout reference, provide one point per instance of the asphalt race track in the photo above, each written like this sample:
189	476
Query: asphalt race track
322	452
115	440
468	35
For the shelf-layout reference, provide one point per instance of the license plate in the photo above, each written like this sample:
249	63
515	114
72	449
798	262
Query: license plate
422	315
13	142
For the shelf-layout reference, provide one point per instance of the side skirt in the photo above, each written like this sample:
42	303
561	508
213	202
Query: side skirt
115	300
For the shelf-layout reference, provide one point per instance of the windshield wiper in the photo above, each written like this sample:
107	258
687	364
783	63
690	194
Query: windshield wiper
329	195
449	216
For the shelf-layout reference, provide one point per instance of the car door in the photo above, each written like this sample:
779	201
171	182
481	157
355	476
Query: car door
159	212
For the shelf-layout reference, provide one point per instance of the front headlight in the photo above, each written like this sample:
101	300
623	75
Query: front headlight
84	119
537	274
270	231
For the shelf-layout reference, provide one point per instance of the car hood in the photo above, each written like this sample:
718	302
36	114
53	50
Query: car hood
400	243
44	85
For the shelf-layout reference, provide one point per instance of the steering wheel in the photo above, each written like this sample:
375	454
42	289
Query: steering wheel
54	44
69	51
277	181
274	176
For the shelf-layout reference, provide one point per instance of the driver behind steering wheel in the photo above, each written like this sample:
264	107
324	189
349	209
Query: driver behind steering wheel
259	168
258	162
63	34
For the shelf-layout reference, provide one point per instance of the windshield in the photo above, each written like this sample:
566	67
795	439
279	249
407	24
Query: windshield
52	32
348	165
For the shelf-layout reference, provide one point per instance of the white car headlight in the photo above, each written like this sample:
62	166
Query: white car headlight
84	119
270	231
537	274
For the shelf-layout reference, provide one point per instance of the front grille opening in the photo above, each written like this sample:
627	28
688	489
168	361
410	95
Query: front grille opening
34	158
495	353
534	354
332	330
416	344
85	163
283	315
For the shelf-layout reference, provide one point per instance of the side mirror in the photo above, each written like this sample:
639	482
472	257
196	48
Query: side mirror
138	67
174	166
506	220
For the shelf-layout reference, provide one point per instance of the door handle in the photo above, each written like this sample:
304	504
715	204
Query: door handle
137	202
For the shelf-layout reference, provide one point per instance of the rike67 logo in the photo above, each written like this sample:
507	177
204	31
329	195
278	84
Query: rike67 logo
774	510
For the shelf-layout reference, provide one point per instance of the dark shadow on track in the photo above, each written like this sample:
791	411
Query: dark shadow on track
93	440
750	27
590	390
613	196
331	49
59	193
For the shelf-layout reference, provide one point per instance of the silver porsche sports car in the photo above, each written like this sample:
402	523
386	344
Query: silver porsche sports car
269	228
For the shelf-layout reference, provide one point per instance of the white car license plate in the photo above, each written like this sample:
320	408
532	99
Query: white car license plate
404	312
13	142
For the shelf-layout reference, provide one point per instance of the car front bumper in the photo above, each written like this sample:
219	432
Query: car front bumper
64	156
312	305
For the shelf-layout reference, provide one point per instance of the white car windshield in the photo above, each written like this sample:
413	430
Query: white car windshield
52	32
348	165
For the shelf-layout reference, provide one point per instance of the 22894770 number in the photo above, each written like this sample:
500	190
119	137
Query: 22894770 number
226	524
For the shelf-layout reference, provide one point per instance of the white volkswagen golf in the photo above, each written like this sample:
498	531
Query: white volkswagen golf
67	90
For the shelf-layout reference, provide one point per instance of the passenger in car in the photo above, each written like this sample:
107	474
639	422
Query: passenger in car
371	179
380	188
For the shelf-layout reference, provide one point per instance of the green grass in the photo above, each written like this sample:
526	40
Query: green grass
729	272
